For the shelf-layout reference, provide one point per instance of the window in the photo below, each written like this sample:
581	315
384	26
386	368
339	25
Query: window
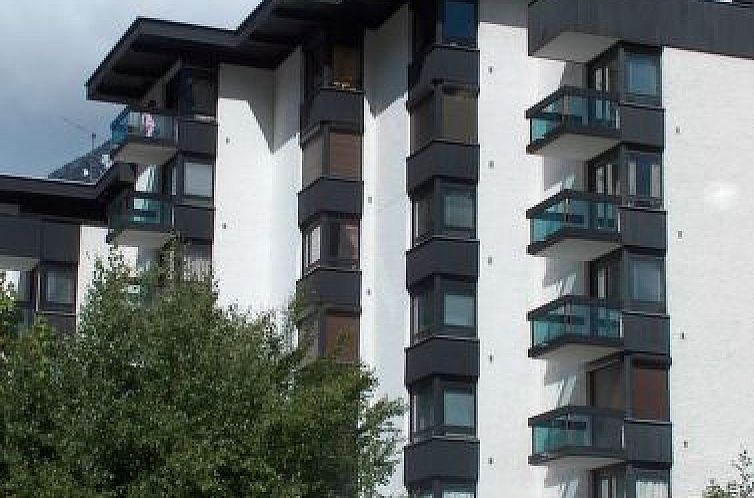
645	178
312	246
346	66
459	310
649	384
610	483
198	179
344	242
422	415
460	22
652	486
20	283
459	116
148	179
643	77
422	123
197	260
60	287
345	155
605	178
313	160
342	337
425	26
459	210
606	279
314	77
647	279
607	387
422	309
459	408
422	214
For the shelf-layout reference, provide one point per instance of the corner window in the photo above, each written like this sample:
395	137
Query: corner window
312	246
313	160
652	485
446	209
422	310
198	179
460	22
346	66
645	178
643	77
459	116
443	407
60	287
422	123
342	336
459	408
459	210
343	244
422	215
332	154
649	398
459	310
421	402
647	279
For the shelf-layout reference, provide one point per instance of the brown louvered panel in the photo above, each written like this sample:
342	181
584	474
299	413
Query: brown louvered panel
342	331
312	164
345	155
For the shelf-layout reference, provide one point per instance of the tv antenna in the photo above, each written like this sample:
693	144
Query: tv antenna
84	129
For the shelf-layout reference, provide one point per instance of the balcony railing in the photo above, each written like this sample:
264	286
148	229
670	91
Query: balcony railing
142	124
575	107
575	316
572	209
142	209
577	431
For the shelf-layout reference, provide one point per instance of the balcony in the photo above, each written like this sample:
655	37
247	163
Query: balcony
574	123
578	437
444	63
580	329
581	226
343	107
144	137
141	220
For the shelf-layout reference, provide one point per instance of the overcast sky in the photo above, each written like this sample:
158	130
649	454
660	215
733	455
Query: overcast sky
49	49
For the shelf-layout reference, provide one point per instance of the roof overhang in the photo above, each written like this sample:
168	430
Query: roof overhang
151	47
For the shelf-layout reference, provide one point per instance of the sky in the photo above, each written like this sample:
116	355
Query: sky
49	48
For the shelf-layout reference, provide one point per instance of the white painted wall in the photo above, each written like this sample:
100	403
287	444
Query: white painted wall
708	171
386	223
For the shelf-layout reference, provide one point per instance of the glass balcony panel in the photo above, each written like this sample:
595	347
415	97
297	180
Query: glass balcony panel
578	427
575	107
572	212
142	124
576	319
142	210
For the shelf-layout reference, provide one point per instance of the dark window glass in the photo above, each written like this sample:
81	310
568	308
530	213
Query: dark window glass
647	279
605	178
422	123
314	77
606	279
643	75
345	155
312	166
610	483
459	117
346	66
425	26
198	179
423	313
460	22
423	418
312	246
649	394
645	178
608	389
60	287
458	208
458	492
422	215
342	336
19	282
459	310
343	245
459	408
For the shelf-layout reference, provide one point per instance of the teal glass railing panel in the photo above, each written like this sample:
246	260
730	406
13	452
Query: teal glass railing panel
146	210
580	429
576	320
579	110
575	213
144	124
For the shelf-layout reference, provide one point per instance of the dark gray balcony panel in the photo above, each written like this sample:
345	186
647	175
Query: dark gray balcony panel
646	333
441	159
579	30
194	222
644	228
447	459
444	64
60	242
343	108
197	137
649	442
332	287
330	195
20	242
642	125
448	356
442	256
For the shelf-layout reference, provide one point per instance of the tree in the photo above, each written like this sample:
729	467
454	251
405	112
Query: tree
9	313
165	393
743	488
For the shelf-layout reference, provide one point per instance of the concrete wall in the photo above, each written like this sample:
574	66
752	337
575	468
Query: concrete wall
708	161
386	223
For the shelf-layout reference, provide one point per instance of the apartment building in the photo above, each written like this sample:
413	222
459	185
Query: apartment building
528	217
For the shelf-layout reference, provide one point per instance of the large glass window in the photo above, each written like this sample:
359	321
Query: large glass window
645	178
346	66
460	22
459	209
421	401
647	279
422	123
422	310
643	77
610	483
343	244
444	209
60	287
198	179
606	279
345	155
649	396
312	246
459	310
443	407
459	408
459	116
422	215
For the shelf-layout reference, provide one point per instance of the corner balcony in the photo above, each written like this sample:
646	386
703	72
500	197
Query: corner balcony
581	226
580	329
343	107
574	123
141	220
144	137
583	438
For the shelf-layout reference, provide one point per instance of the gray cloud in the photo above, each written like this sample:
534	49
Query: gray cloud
48	49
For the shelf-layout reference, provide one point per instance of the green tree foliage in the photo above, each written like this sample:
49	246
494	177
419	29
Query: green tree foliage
164	393
9	314
741	488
